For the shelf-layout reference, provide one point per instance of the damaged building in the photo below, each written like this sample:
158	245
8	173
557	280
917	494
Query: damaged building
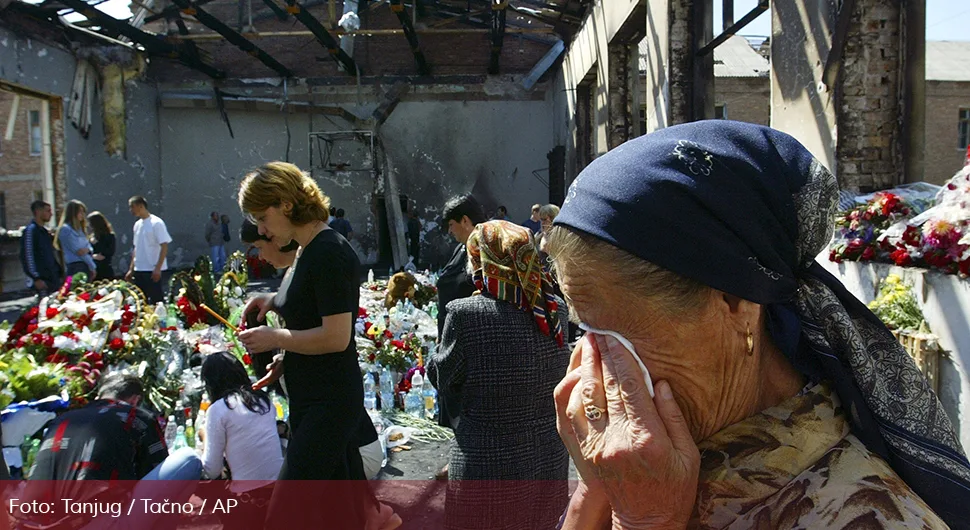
401	107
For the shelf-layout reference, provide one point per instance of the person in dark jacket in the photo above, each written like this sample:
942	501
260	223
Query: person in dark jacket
460	215
37	254
503	351
104	244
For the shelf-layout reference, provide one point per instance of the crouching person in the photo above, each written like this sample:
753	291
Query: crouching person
113	439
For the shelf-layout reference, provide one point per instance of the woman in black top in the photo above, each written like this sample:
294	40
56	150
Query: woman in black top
103	241
318	299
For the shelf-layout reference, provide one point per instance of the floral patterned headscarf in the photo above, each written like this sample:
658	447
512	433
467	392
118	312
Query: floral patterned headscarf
505	264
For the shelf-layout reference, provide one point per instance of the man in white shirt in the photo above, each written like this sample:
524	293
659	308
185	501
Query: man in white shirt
150	248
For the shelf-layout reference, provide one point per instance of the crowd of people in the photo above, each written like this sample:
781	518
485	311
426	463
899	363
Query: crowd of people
85	242
724	379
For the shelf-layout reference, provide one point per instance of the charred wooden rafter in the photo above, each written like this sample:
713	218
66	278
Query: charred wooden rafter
232	36
186	53
498	33
323	36
397	6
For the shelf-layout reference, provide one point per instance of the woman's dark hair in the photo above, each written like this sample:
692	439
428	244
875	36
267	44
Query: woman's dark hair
100	224
224	376
249	233
458	207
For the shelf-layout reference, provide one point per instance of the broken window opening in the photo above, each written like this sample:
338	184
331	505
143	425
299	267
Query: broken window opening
36	134
963	129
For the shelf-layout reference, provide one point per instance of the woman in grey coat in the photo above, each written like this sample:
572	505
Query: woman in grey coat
502	351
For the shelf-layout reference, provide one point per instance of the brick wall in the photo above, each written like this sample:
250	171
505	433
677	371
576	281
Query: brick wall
944	157
746	99
869	153
20	172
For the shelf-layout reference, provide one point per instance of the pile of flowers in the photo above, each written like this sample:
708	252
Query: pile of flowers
896	305
64	345
886	230
861	227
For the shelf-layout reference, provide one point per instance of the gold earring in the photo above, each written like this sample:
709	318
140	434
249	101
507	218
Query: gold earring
750	340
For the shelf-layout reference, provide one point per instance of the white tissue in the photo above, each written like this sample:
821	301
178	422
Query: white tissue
629	346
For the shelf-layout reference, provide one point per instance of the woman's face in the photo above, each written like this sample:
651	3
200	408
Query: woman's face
696	353
271	253
275	225
80	216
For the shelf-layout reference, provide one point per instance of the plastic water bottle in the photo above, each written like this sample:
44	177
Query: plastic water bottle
370	276
387	390
370	398
390	271
430	399
413	401
171	430
189	433
180	441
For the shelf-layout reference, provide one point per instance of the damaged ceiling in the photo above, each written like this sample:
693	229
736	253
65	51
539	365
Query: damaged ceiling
322	41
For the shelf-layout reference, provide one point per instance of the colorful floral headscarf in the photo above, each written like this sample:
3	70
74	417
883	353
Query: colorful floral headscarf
505	264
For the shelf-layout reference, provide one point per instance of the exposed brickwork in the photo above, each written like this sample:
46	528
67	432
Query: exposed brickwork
746	99
869	150
20	172
944	157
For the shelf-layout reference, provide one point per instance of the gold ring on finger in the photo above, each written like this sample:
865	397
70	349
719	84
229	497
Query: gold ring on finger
593	413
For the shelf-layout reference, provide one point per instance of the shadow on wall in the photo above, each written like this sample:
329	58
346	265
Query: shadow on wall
794	69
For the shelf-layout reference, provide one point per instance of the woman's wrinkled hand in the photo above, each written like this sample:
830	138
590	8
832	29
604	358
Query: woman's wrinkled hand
637	449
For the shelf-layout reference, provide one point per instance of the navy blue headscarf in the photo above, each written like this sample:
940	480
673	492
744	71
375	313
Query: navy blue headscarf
745	209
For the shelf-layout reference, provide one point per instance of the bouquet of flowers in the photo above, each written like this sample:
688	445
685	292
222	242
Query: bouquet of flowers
860	228
896	305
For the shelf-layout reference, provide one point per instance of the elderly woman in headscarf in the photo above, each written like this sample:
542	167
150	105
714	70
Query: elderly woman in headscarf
729	381
503	352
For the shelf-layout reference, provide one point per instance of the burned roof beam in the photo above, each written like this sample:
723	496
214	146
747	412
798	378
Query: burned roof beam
232	36
397	6
755	12
153	44
498	33
323	36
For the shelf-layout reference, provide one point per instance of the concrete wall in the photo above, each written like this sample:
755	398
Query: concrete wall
90	175
945	302
944	99
801	105
587	56
436	149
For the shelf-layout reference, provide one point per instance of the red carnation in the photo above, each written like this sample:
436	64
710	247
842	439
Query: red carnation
397	344
246	359
31	328
52	312
388	334
868	254
361	312
371	357
116	344
912	236
367	325
901	257
85	296
124	329
835	257
32	313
